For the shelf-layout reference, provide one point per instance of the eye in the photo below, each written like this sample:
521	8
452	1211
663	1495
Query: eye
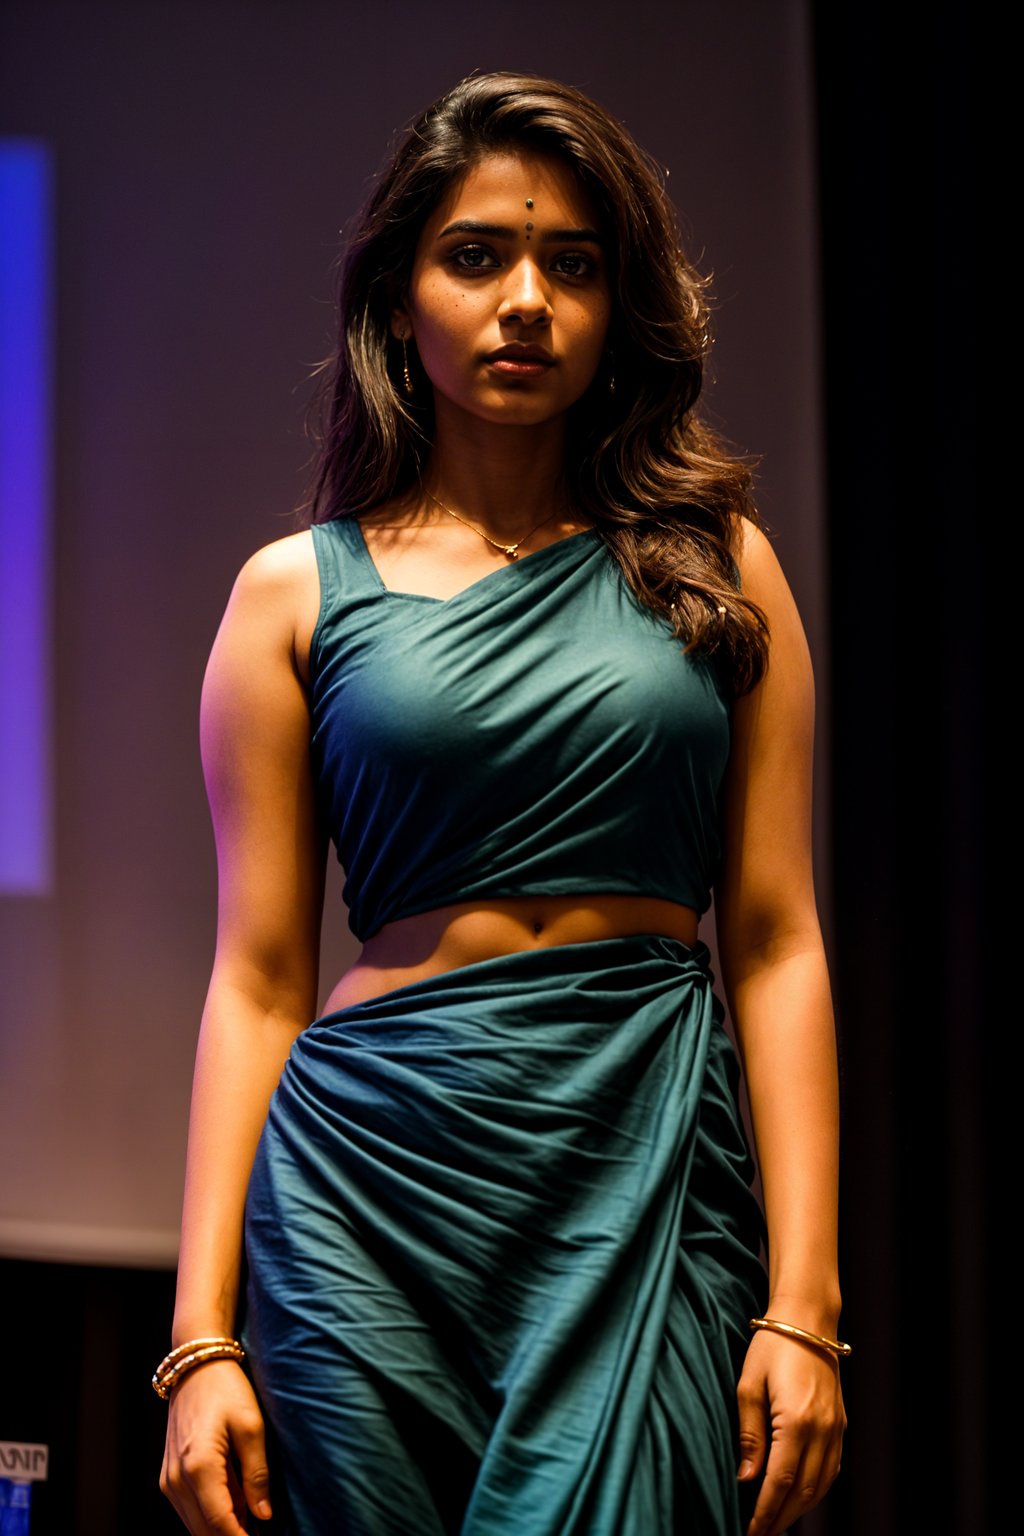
574	264
474	258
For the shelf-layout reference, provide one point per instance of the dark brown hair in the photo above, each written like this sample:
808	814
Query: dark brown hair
656	480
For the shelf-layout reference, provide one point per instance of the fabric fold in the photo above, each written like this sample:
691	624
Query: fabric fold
502	1249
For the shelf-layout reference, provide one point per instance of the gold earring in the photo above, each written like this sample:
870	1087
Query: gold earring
406	375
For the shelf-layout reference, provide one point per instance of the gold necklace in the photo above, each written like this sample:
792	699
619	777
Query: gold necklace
509	550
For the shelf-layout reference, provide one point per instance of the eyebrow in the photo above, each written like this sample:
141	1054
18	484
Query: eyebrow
506	232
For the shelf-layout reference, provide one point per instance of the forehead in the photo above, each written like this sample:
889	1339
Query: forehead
497	187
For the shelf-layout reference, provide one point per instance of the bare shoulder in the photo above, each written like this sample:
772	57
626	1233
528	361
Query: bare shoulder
255	671
763	580
280	569
759	567
276	595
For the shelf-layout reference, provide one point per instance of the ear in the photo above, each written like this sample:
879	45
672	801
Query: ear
401	327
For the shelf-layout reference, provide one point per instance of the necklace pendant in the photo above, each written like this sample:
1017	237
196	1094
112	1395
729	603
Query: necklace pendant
512	551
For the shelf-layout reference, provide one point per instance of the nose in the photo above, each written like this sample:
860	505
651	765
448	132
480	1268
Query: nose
526	297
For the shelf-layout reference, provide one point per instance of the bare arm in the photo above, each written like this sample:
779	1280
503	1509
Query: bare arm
263	991
776	979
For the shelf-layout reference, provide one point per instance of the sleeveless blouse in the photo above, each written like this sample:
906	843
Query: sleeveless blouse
540	733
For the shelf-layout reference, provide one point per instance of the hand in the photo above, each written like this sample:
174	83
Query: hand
791	1423
215	1460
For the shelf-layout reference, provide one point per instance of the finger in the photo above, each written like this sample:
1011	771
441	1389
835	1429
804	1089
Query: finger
816	1467
782	1474
221	1519
832	1462
251	1449
191	1512
201	1521
176	1490
208	1499
807	1488
752	1434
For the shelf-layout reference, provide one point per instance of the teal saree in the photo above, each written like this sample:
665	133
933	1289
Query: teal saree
502	1250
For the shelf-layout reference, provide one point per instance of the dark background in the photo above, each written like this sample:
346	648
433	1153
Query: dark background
901	638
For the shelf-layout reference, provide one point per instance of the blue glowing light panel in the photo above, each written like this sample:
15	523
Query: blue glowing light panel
26	321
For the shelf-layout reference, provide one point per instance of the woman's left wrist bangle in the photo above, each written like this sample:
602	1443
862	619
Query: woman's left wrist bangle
790	1331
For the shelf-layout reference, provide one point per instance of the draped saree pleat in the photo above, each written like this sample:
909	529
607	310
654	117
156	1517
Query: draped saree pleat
502	1249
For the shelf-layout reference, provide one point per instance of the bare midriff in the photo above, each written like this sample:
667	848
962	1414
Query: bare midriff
450	937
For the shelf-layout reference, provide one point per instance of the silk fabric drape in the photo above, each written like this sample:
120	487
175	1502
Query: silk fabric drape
502	1251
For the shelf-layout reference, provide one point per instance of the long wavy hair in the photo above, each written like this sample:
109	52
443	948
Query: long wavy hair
660	485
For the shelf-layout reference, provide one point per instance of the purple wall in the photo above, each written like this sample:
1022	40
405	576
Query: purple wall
205	156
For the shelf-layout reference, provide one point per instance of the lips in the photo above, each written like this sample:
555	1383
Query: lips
519	355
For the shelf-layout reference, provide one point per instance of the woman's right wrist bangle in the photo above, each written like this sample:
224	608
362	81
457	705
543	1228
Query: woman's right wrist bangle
791	1331
192	1353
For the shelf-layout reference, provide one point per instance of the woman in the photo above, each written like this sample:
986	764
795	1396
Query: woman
537	672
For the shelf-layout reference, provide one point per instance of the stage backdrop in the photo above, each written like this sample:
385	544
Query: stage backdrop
203	158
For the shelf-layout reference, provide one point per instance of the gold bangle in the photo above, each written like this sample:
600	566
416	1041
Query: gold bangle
194	1352
833	1346
190	1344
